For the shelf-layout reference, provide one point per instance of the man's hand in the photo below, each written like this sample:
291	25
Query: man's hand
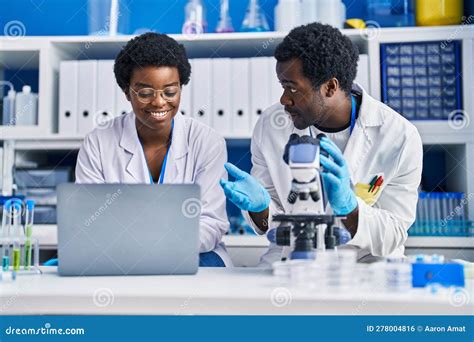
245	191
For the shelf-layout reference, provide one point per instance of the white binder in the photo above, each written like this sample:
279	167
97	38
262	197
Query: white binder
105	110
363	72
122	105
221	95
240	96
276	91
68	83
259	88
202	90
185	101
87	96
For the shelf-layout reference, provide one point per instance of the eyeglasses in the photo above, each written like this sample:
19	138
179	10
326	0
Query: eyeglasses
148	95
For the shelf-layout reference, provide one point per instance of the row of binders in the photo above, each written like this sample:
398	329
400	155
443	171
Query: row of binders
228	94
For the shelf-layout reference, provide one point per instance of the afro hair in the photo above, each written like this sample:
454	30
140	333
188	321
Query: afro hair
324	52
151	49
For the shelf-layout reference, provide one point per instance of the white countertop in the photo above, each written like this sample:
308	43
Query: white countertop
213	291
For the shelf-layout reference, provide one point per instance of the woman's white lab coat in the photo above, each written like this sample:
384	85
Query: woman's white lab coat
382	142
114	154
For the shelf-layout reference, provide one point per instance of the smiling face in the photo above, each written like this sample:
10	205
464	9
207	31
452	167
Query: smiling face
157	114
305	105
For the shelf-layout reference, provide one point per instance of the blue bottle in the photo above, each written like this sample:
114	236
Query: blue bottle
391	13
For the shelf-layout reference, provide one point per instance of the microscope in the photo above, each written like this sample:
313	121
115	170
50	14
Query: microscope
306	227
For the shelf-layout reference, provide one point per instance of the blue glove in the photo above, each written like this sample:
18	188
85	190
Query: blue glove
336	178
245	192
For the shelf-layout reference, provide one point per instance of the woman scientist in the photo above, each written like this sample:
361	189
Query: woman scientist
154	143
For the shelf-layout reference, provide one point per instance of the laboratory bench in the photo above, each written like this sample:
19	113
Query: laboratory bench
212	291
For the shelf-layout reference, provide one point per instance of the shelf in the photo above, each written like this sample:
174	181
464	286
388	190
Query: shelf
245	241
19	60
431	132
47	235
440	242
60	142
444	132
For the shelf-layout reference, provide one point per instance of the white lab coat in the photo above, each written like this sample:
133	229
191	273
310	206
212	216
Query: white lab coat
382	142
197	155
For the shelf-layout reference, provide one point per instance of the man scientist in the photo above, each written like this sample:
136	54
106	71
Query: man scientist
375	155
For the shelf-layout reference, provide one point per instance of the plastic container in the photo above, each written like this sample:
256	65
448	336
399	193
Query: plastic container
438	12
391	13
108	17
254	20
195	18
287	14
225	21
47	178
9	108
26	107
331	12
45	215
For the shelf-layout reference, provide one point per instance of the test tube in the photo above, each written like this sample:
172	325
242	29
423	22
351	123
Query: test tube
421	213
438	213
16	232
460	212
431	212
444	214
30	206
450	198
6	222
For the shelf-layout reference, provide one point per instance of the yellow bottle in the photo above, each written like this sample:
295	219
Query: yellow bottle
438	12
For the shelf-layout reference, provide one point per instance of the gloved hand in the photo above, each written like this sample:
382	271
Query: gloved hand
336	178
245	192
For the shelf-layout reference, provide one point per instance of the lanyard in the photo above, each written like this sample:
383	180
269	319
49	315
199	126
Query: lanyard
163	166
353	116
353	113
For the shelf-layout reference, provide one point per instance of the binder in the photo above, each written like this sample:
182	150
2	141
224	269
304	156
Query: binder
221	95
185	100
275	87
68	84
122	105
362	76
105	110
201	90
87	96
240	96
259	88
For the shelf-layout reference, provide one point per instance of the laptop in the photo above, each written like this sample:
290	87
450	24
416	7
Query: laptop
128	229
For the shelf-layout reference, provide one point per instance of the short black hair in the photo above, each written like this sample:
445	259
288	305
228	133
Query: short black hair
324	52
151	49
